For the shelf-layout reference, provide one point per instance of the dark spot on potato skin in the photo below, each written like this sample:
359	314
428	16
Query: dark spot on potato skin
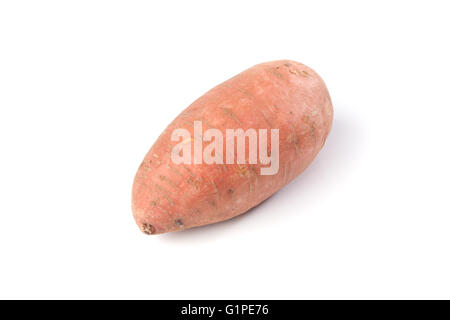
148	228
213	203
179	223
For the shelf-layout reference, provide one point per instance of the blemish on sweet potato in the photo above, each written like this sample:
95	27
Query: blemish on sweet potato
245	92
147	228
170	182
179	223
231	114
213	203
276	73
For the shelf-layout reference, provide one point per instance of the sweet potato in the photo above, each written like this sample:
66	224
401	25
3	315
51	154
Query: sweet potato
280	96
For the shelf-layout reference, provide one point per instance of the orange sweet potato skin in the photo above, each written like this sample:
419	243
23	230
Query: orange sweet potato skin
285	95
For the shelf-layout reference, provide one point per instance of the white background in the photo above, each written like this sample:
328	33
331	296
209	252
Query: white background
86	87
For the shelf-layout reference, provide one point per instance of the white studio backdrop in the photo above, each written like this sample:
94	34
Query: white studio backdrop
86	87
